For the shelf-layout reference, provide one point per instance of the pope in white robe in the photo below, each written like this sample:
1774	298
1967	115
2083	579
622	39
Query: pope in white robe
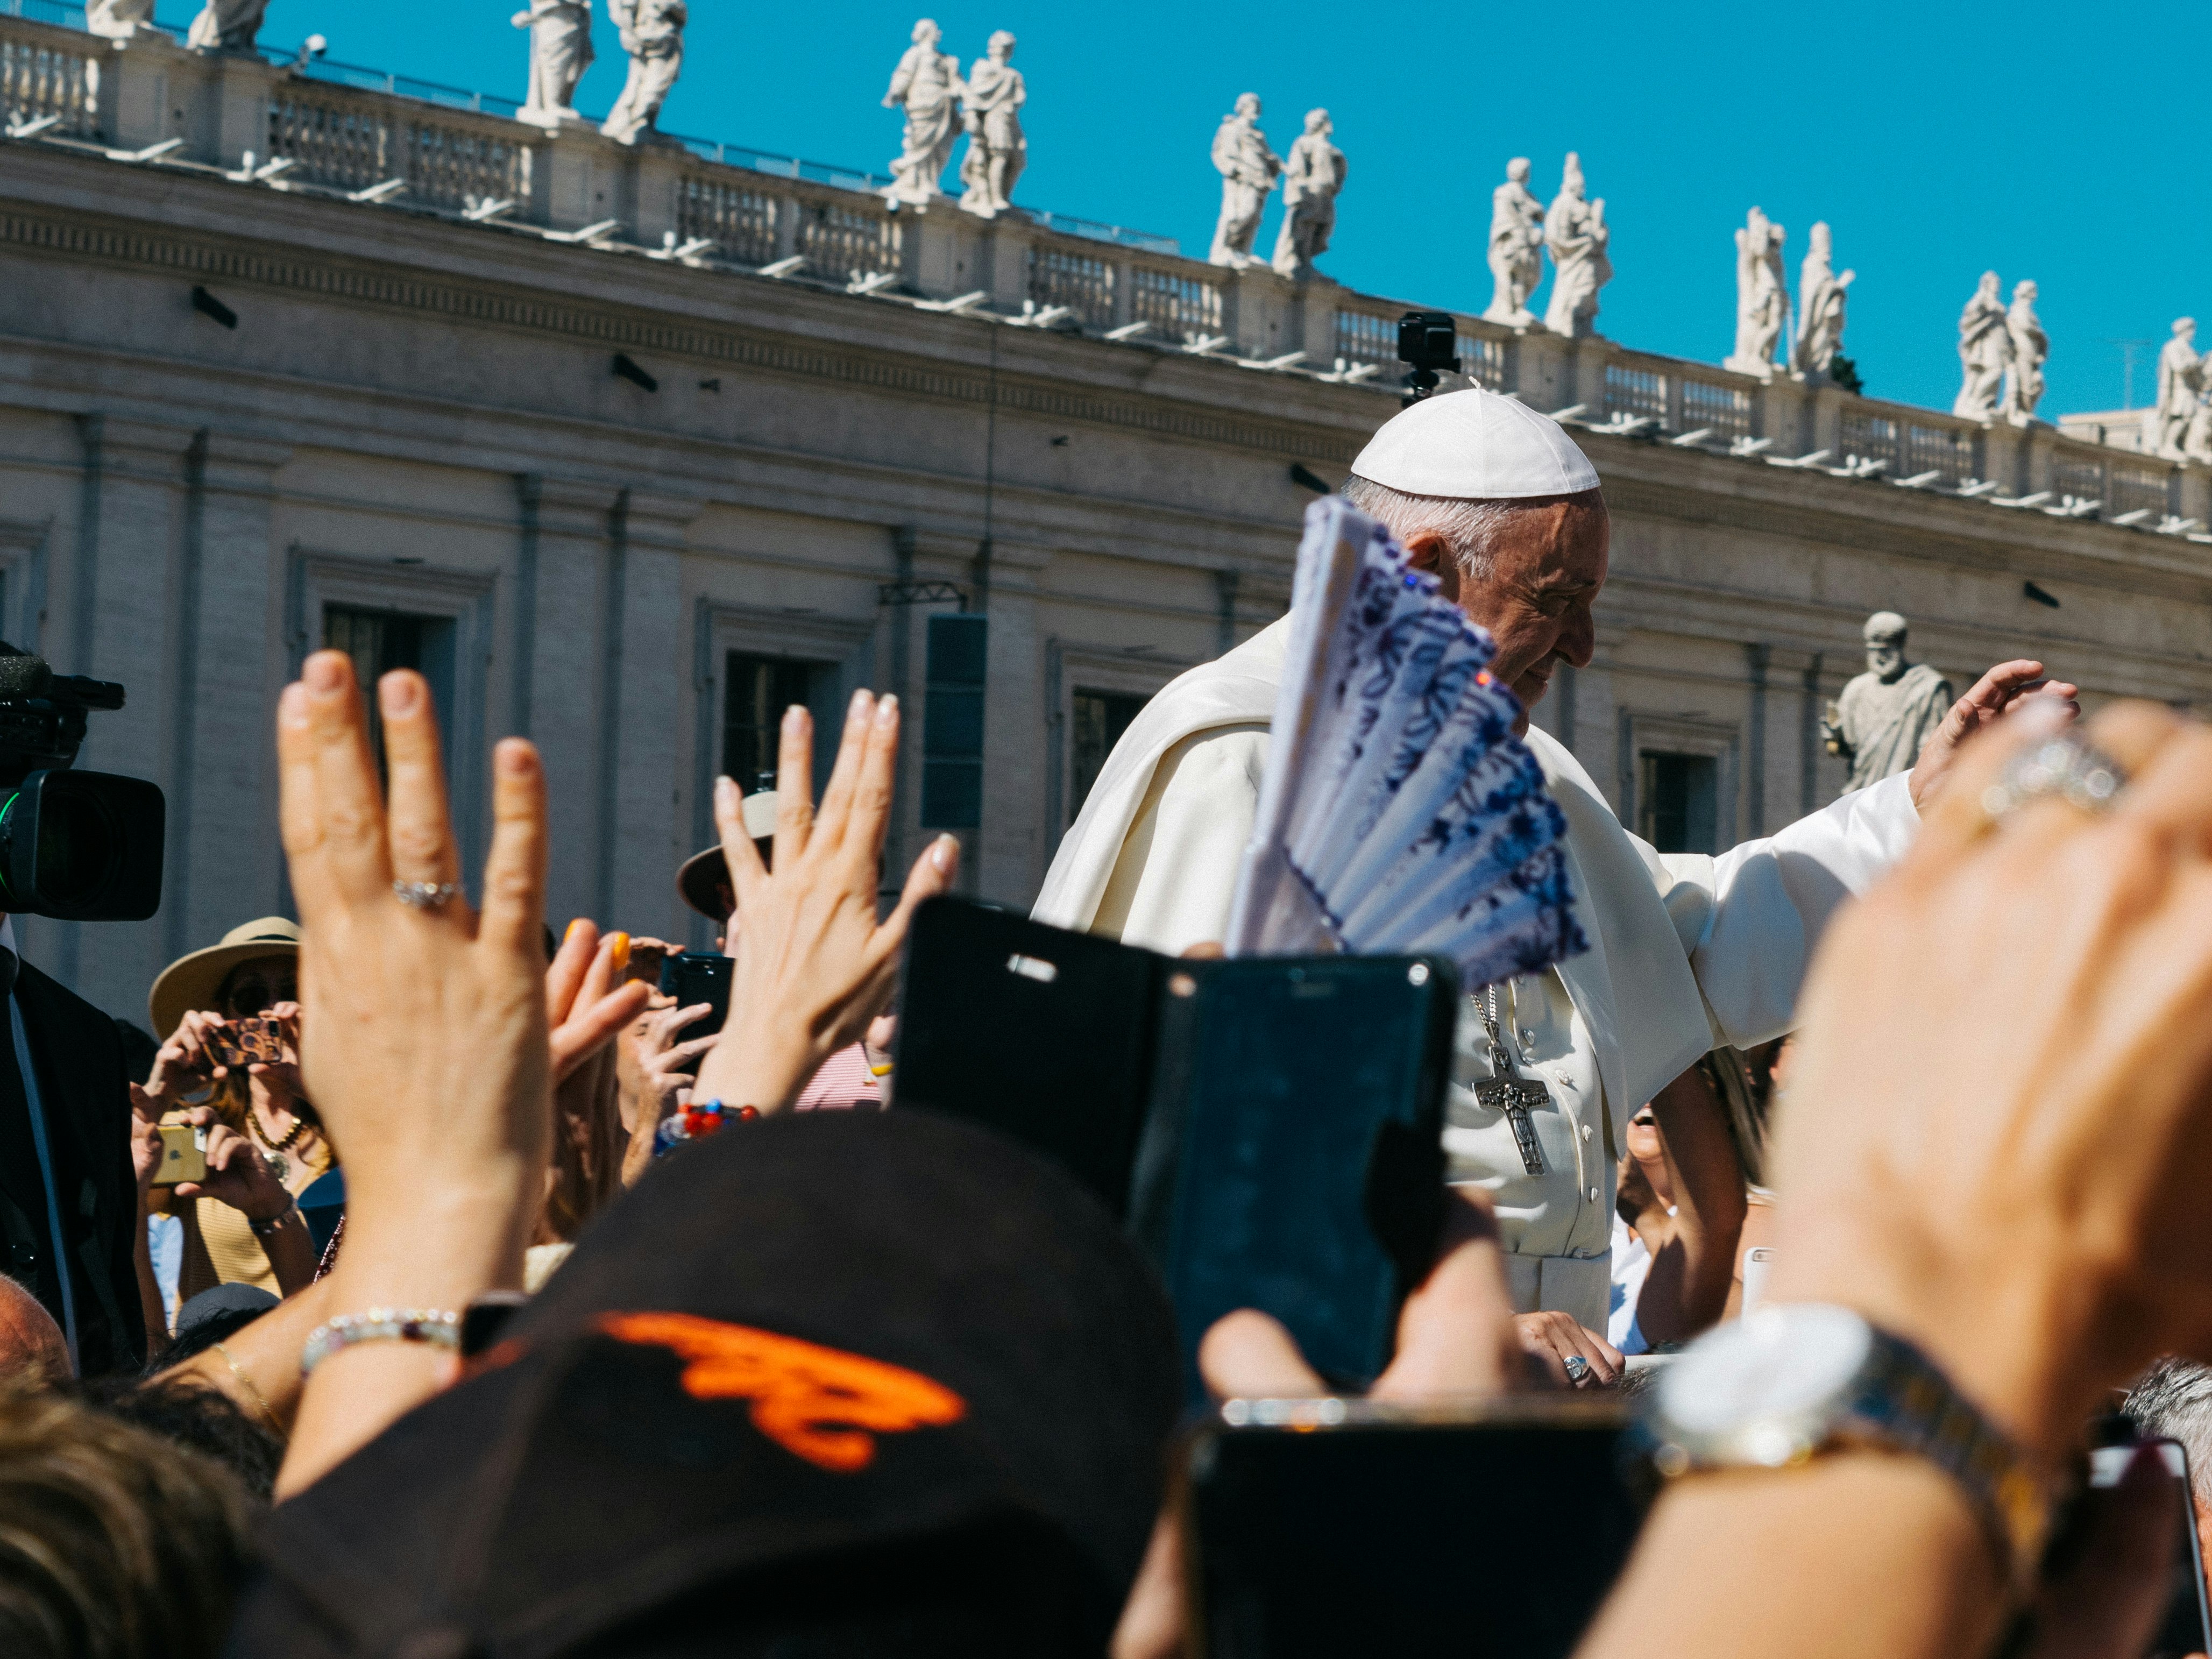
1686	950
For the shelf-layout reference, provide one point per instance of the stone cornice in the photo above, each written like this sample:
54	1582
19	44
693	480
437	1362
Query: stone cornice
210	257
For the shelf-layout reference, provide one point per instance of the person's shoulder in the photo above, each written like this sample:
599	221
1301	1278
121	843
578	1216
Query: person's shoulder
53	1001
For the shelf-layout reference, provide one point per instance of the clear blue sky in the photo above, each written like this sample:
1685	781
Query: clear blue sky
1938	141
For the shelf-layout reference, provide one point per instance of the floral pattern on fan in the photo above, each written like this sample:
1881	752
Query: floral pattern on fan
1400	813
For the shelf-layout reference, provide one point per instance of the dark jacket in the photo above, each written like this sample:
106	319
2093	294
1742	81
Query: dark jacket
87	1096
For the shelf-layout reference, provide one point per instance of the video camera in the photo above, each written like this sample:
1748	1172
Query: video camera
1429	341
77	845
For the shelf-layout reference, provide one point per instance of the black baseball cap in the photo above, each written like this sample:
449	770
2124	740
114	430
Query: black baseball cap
821	1383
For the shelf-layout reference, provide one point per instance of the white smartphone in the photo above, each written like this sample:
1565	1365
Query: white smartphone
1756	1261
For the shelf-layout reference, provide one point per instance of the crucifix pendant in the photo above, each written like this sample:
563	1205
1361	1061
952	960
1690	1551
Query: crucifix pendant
1507	1093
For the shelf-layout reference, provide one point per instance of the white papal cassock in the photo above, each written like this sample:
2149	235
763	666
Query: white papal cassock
1686	950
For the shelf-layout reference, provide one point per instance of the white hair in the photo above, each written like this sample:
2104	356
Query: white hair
2173	1400
1469	528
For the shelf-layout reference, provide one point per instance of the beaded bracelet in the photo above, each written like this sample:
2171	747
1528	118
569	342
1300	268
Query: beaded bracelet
437	1328
700	1118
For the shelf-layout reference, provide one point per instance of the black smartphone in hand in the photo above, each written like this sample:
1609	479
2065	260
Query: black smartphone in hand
696	976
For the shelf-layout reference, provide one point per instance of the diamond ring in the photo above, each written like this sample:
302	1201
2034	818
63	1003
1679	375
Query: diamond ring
2067	766
423	895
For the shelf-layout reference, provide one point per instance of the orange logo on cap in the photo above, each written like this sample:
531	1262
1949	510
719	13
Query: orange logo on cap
821	1404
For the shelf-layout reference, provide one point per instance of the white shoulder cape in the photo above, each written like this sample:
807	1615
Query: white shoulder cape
1634	987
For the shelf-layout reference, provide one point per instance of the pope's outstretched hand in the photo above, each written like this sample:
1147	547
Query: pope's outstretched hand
1998	692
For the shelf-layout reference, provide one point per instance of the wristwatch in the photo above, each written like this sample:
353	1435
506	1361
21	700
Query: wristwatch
1795	1379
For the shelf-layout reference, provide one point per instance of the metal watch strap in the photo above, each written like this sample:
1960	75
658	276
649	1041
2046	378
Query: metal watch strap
1901	1401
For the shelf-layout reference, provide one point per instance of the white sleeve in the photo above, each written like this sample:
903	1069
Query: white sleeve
1751	918
1176	870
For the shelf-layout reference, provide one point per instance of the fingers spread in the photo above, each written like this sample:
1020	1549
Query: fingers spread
419	823
513	916
932	875
872	784
564	975
739	855
852	744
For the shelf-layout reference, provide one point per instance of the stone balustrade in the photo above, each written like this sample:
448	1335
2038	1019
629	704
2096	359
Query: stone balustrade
719	206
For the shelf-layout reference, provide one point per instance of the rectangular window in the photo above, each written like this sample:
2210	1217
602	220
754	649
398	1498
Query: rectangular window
382	640
1101	718
756	690
953	724
1678	802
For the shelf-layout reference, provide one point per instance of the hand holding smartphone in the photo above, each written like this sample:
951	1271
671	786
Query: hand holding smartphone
184	1155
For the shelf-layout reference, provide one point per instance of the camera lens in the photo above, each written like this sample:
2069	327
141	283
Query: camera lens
78	845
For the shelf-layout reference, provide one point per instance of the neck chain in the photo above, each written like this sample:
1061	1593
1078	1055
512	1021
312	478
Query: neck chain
291	1136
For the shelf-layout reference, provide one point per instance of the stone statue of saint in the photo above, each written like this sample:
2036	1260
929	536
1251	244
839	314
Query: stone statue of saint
1575	232
1312	174
227	26
1762	296
1820	295
560	52
991	114
928	84
1886	713
1248	170
2030	350
1984	351
653	35
1516	247
2181	378
119	19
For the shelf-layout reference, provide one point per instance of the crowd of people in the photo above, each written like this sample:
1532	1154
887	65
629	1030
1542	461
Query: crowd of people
505	1315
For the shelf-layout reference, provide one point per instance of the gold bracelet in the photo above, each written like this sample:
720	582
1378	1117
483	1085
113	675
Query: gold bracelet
253	1393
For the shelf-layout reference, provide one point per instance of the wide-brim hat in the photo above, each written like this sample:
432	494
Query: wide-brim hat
192	981
823	1374
700	877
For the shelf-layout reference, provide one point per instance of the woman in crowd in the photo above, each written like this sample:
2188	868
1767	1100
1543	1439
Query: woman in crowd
246	1223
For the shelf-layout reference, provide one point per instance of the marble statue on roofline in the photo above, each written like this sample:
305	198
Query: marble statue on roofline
2167	423
227	26
1984	351
1574	231
1884	715
928	86
1820	297
560	52
119	19
1248	170
1516	247
653	35
1762	295
2030	350
1313	173
991	112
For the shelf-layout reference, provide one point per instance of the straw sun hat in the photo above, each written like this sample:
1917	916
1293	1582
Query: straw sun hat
700	877
192	981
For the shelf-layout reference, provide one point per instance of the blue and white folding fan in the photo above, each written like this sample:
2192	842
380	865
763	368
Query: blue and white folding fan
1400	814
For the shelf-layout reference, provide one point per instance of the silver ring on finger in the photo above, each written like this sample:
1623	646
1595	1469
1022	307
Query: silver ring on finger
1577	1369
2068	766
424	895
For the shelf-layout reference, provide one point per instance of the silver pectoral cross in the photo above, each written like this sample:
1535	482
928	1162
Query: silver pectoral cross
1507	1093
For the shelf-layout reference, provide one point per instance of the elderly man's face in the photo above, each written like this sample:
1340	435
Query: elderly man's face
1885	654
1546	570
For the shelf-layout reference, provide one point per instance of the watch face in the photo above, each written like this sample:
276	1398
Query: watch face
1775	1369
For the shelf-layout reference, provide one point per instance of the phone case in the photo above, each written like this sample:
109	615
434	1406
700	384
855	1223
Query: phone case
1258	1157
182	1159
1334	1529
696	976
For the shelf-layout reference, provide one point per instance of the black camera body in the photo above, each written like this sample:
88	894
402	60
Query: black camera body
1429	341
76	846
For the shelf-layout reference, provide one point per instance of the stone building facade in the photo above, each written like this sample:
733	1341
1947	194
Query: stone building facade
628	493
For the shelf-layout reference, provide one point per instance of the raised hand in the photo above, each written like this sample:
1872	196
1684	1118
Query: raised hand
425	1045
2002	690
813	965
587	1000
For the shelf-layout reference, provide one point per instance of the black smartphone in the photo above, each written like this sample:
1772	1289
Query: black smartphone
1039	1033
1294	1159
695	976
1323	1528
2186	1627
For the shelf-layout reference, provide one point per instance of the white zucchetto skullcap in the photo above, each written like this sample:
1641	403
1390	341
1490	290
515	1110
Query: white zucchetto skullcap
1474	445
